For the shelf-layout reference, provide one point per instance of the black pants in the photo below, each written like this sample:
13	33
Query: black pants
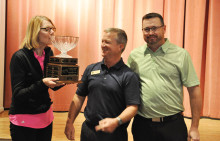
173	130
88	133
19	133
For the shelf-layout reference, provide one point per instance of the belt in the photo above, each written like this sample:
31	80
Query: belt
161	119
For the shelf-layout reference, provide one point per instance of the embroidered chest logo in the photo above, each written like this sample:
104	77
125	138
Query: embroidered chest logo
95	72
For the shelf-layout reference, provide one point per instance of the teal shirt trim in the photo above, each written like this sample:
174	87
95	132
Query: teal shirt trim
162	75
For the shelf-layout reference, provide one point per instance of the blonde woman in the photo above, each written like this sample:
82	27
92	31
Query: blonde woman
30	113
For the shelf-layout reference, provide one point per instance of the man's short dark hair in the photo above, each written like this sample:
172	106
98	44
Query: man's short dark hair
153	15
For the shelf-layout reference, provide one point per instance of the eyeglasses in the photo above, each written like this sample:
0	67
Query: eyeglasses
48	29
153	29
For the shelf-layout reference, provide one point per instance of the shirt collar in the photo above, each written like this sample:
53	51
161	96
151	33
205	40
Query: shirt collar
164	47
118	65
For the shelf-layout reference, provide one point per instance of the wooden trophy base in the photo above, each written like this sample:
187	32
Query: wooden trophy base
65	69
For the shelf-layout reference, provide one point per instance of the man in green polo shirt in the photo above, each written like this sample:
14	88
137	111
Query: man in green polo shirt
164	69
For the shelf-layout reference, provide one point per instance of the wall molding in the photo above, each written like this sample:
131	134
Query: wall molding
2	51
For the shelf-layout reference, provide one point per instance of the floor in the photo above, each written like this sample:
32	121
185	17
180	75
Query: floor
209	128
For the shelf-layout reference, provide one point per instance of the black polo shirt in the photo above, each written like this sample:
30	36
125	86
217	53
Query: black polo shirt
109	91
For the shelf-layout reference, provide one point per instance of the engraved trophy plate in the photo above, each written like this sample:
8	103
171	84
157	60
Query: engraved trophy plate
64	66
58	60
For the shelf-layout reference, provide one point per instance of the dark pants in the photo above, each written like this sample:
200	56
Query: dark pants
88	133
172	130
20	133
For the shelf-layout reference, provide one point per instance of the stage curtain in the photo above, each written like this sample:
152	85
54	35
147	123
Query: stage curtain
212	68
190	24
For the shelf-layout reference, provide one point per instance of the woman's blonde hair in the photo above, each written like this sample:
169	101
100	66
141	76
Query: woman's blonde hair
31	38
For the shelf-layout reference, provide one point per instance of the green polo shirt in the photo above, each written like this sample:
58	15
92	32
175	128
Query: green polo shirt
162	75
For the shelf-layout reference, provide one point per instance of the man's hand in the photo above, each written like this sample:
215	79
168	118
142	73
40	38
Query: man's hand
69	131
193	134
107	125
51	82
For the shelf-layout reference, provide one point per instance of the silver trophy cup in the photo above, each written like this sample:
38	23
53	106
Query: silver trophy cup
63	65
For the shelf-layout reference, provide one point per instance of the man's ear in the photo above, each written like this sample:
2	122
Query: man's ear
164	28
122	46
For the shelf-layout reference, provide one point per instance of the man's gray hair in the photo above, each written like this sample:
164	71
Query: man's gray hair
121	36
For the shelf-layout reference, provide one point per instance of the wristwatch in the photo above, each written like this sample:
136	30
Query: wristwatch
119	121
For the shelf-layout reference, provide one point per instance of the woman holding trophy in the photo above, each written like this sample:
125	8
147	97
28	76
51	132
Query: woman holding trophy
31	114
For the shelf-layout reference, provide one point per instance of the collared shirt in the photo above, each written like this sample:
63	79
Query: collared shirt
109	90
162	76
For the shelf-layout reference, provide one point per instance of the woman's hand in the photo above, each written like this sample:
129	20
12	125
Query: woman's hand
52	82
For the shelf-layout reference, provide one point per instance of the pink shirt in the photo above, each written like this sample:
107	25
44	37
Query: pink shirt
40	59
37	120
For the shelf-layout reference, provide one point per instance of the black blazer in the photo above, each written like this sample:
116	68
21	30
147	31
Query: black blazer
29	93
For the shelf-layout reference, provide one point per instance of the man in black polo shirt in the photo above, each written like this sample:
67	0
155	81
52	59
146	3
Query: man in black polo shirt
113	94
